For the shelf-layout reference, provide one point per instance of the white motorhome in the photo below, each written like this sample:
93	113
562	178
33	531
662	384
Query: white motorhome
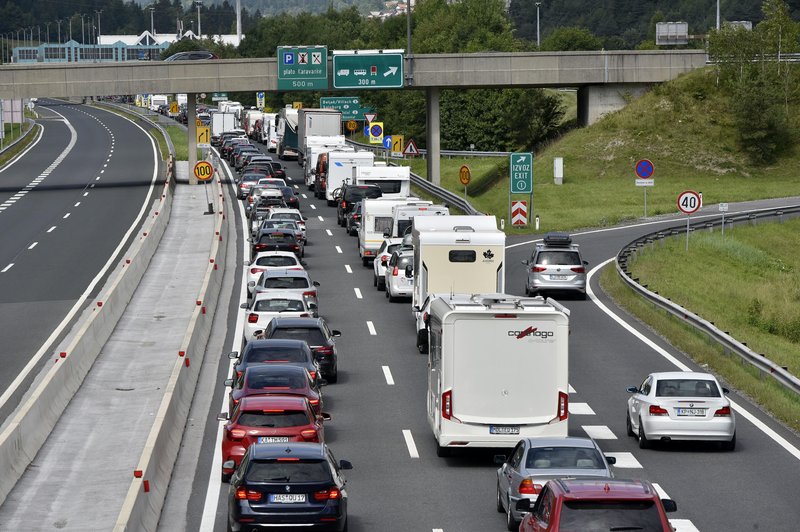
249	119
269	136
403	216
340	169
457	254
497	370
157	100
376	220
231	107
314	146
394	181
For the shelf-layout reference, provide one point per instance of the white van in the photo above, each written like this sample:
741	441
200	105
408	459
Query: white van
314	146
157	100
394	181
340	169
497	370
403	216
457	254
269	137
376	221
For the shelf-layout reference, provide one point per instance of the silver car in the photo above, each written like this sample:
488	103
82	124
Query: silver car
534	461
382	256
399	276
680	405
556	265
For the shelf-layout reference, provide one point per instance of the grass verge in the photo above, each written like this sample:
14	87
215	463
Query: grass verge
12	152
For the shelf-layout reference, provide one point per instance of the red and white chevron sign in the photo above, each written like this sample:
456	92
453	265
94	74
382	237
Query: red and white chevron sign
519	213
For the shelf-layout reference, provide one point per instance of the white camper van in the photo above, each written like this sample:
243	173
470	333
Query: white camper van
269	136
316	145
497	370
394	181
457	254
403	216
340	169
376	221
157	100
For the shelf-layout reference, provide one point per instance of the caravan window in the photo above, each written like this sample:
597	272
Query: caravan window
383	224
387	186
462	255
403	226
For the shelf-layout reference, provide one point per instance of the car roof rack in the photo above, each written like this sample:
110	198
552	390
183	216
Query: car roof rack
559	240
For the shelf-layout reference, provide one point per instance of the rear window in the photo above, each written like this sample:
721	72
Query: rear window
286	282
546	258
275	382
281	238
251	177
461	255
387	186
279	305
274	471
564	458
276	261
687	388
277	420
277	166
383	224
579	516
275	354
286	216
358	193
402	262
311	336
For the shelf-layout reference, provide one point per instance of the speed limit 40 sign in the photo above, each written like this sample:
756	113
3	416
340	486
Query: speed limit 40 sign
689	202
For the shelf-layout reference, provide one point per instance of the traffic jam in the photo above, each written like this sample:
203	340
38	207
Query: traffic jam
450	270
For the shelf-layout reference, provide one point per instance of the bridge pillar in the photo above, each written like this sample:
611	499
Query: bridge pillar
596	100
191	123
432	135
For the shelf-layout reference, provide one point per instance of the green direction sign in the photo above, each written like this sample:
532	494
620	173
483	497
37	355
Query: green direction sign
349	106
302	68
521	170
369	70
219	96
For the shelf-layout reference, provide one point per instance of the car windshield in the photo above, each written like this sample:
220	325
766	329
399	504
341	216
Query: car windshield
687	388
564	458
286	282
257	381
275	354
302	471
589	516
279	305
276	261
278	420
312	336
546	258
357	193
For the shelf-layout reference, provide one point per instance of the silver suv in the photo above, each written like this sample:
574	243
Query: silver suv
556	265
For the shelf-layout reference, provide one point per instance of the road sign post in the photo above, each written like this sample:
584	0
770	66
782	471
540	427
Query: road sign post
644	172
368	69
520	167
260	100
723	208
688	203
302	68
203	171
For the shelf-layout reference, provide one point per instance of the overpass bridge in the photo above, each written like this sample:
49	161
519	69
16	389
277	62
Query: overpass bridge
605	80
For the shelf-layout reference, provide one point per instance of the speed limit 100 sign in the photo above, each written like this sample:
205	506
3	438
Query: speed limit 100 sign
689	202
203	171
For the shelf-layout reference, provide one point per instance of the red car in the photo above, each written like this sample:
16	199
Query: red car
267	419
272	379
606	504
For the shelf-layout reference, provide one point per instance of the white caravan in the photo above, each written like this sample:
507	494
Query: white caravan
157	100
376	221
457	254
314	146
269	136
394	181
497	370
403	216
340	169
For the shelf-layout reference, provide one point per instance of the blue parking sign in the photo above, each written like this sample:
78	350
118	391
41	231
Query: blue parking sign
288	58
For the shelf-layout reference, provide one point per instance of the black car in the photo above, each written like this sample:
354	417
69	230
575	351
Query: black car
352	221
276	240
192	55
295	352
352	194
291	199
239	148
291	484
315	332
262	167
279	170
229	144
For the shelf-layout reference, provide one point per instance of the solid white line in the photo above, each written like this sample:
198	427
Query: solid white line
4	270
321	219
20	155
329	232
313	206
358	293
33	245
66	216
51	229
78	204
625	460
371	327
760	425
412	447
661	493
348	269
388	374
338	249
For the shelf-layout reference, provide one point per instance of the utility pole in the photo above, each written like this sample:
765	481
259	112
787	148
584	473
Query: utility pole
59	30
83	36
99	33
717	15
538	40
152	26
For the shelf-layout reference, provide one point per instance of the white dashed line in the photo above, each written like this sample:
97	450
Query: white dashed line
51	229
338	249
371	328
66	216
683	525
625	460
313	206
438	530
102	171
296	187
304	196
580	409
321	219
33	245
412	447
661	493
388	374
571	389
599	432
358	293
97	178
4	270
85	194
348	269
78	204
329	232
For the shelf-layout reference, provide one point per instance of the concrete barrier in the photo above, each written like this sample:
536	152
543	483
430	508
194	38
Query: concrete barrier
141	509
31	423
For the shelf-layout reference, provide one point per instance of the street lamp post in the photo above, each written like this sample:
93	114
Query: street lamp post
152	25
717	15
59	30
99	33
199	4
538	40
47	24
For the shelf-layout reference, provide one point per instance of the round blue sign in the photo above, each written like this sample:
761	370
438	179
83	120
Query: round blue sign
366	131
644	169
387	141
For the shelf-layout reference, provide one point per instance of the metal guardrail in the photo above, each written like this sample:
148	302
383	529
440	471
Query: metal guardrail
728	343
22	137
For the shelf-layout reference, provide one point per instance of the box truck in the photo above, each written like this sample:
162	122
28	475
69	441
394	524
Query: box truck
287	133
457	254
376	221
316	123
497	370
340	169
315	145
222	122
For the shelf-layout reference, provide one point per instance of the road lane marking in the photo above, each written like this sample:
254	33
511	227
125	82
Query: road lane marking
358	293
4	270
388	374
97	178
329	232
321	219
412	447
371	328
33	245
580	409
66	216
571	389
313	206
683	525
304	196
51	229
625	460
78	204
338	249
661	493
599	432
348	269
85	194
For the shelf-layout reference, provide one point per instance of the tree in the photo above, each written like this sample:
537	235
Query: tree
573	38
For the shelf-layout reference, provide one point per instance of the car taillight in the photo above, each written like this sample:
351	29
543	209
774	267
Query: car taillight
296	247
314	402
537	269
324	495
527	487
237	434
312	293
447	404
344	205
563	406
656	410
327	351
309	434
238	374
252	318
723	412
579	269
313	375
236	401
256	270
395	271
244	494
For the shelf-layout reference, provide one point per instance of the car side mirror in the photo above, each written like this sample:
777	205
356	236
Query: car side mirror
500	459
383	262
669	505
259	332
305	218
247	263
586	263
223	416
229	464
315	283
726	391
228	382
415	308
611	459
387	234
345	464
325	416
251	284
523	505
335	333
233	355
243	305
632	389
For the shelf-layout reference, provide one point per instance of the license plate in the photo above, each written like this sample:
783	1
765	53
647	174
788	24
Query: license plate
287	498
558	277
273	439
507	429
691	411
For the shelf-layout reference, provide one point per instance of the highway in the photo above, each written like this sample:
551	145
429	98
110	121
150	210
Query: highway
379	421
70	204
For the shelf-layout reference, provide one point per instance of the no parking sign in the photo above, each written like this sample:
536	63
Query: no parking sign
376	133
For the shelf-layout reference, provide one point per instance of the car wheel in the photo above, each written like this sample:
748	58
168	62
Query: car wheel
374	280
386	294
729	445
511	523
230	526
499	501
381	284
629	425
644	443
422	341
334	377
365	262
